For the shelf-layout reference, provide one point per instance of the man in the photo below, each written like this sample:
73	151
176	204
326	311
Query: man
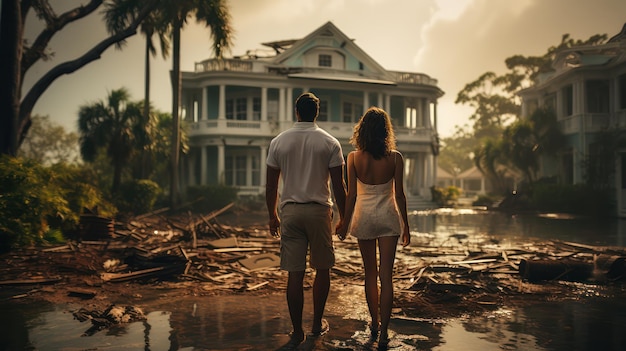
306	157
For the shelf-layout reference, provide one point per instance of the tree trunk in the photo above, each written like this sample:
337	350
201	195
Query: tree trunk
11	48
143	172
15	111
176	94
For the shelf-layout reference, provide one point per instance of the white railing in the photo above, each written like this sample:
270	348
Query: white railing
232	127
340	130
224	65
412	78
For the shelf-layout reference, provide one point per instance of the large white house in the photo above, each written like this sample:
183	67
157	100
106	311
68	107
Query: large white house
587	90
235	106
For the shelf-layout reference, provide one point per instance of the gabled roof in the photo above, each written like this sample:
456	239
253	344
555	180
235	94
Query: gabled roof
470	173
443	174
338	41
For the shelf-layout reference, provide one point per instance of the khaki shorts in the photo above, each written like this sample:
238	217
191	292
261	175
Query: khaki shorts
303	226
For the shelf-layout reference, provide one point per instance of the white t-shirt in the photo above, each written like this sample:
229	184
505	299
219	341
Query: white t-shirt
304	154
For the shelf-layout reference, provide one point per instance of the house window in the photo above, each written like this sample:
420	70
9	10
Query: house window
256	171
568	100
237	171
256	109
622	91
237	109
597	92
230	109
352	111
242	106
323	115
325	60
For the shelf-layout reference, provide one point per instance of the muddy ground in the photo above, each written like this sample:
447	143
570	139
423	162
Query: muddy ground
432	280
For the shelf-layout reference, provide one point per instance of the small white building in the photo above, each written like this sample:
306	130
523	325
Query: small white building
235	106
587	90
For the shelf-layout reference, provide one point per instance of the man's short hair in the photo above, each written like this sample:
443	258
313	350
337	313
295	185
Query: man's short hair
308	106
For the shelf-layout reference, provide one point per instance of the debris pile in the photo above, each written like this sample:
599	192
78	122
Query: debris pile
196	254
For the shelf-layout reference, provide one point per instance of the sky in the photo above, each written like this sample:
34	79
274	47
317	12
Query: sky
453	41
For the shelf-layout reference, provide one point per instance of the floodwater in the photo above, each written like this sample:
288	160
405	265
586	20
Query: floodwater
241	322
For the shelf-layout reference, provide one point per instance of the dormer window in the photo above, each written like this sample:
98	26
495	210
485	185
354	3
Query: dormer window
325	60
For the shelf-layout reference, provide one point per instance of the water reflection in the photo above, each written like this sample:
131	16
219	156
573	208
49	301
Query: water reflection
262	323
517	228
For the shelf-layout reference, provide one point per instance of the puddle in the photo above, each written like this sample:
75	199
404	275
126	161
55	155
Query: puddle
243	322
261	323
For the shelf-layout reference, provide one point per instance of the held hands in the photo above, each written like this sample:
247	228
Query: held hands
406	237
341	230
274	225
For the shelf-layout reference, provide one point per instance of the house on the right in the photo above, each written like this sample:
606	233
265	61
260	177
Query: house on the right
587	91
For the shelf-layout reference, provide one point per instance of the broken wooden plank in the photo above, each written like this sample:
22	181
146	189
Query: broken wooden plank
223	243
30	281
237	249
144	273
485	260
267	260
256	286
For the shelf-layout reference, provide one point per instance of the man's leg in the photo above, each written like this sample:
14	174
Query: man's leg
295	301
321	286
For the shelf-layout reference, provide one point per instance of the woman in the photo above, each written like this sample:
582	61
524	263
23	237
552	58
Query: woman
375	210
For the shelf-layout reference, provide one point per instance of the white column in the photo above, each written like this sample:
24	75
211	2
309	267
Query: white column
429	171
263	166
221	164
366	101
204	114
263	104
379	101
221	114
249	109
387	103
282	106
289	114
426	120
203	165
190	171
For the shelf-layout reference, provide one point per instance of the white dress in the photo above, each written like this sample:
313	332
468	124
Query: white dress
375	212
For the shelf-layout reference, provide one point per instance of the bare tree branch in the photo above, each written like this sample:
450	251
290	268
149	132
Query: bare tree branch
53	25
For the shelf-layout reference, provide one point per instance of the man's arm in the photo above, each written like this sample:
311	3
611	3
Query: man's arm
339	188
271	199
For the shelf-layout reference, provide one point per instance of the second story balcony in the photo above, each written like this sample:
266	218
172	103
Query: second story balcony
271	128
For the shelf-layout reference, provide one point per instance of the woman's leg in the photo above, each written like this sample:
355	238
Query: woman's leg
368	253
387	246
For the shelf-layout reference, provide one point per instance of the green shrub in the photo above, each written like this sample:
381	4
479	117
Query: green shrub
445	197
43	204
80	192
207	198
137	196
484	200
29	198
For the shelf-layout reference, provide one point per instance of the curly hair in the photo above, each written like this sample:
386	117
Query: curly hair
374	133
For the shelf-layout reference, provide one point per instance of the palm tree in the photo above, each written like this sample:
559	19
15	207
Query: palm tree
172	15
153	25
114	126
215	15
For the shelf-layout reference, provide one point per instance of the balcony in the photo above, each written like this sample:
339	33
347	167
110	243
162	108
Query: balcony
340	130
229	127
239	65
592	122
